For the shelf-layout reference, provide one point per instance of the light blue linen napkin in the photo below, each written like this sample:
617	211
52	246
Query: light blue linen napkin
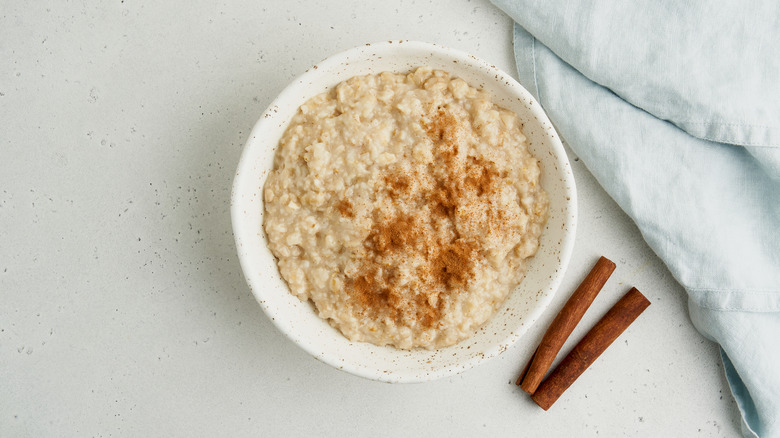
674	106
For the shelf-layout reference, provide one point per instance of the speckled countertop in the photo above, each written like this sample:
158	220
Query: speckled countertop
123	310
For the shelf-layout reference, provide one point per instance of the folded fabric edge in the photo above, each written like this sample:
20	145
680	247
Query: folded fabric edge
525	61
728	300
752	393
741	395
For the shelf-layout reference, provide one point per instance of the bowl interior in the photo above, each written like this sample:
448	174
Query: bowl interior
299	321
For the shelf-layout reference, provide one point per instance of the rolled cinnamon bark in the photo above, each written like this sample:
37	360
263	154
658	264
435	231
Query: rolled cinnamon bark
564	324
601	336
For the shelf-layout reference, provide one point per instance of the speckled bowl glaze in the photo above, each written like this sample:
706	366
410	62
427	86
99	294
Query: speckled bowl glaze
298	319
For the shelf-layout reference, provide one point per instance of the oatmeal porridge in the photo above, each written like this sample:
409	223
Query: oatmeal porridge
405	207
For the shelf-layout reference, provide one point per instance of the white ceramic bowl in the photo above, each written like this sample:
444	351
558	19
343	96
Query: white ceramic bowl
299	321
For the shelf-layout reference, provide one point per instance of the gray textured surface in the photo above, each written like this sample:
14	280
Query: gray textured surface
123	311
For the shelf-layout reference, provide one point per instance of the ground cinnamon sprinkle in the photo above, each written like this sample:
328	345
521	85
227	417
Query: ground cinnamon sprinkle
443	131
454	262
448	260
397	185
481	177
396	235
370	293
345	208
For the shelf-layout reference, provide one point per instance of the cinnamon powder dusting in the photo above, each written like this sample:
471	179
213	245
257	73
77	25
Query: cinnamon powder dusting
345	208
397	185
446	260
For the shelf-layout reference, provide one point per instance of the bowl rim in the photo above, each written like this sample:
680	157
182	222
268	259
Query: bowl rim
244	168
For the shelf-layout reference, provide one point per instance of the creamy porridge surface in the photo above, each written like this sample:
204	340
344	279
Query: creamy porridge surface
404	206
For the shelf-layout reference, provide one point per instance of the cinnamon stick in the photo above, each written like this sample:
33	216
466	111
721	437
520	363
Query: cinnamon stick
617	320
564	324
